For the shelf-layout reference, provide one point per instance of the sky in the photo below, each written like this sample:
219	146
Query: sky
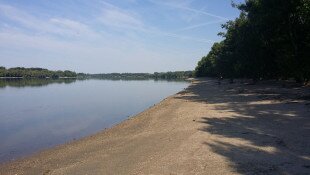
104	36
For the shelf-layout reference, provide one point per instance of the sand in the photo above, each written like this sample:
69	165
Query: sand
209	128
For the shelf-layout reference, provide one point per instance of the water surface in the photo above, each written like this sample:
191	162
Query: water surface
38	114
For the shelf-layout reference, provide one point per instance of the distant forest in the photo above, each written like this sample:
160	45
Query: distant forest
155	75
21	72
269	40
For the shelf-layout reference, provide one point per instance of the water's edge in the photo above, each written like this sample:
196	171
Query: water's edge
68	143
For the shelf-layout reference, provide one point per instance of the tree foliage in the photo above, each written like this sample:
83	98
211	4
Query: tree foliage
142	76
34	73
269	40
21	72
172	75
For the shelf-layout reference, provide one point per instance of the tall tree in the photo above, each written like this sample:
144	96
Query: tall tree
270	39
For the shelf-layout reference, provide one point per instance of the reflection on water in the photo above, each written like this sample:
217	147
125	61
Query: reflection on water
37	114
20	82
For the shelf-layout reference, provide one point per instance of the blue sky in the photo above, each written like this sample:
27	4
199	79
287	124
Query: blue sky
101	36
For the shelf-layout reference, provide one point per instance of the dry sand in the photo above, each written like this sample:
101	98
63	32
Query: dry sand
206	129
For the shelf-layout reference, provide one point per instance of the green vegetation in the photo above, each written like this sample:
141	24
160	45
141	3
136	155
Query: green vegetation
120	76
22	72
269	40
141	76
173	75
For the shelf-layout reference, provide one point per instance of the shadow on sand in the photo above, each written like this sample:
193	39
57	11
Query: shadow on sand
271	122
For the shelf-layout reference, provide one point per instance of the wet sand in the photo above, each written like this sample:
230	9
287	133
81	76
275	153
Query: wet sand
209	128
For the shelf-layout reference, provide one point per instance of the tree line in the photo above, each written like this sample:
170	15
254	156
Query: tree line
141	76
173	75
21	72
269	40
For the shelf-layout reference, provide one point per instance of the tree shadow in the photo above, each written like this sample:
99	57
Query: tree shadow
267	130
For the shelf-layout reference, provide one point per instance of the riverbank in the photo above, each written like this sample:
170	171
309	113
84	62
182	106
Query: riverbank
209	128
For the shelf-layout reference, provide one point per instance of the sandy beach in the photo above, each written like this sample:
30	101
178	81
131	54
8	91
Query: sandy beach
209	128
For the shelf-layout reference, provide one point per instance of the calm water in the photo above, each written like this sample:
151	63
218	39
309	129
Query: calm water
37	114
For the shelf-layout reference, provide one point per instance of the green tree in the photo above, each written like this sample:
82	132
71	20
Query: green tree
270	39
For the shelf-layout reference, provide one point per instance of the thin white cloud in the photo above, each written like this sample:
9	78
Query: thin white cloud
117	17
112	16
73	27
194	15
23	18
201	25
185	6
202	12
56	26
182	37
